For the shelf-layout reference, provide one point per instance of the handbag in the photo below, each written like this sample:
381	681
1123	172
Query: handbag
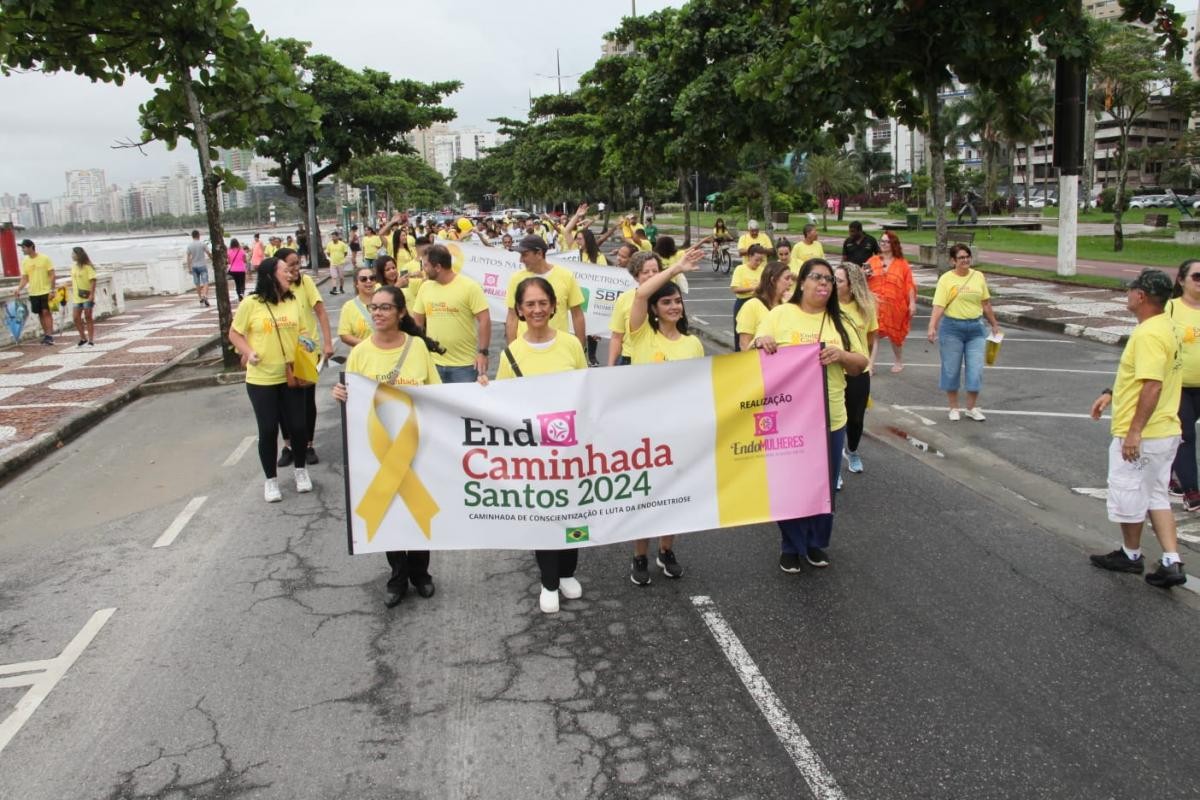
306	375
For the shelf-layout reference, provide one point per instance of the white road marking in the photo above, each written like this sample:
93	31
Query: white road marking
239	451
1015	339
80	404
818	777
1099	494
908	410
176	527
1108	372
700	320
1006	413
42	676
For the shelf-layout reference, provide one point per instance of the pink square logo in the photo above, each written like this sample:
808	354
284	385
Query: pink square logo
491	279
766	423
558	429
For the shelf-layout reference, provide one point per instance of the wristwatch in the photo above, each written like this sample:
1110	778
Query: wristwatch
483	351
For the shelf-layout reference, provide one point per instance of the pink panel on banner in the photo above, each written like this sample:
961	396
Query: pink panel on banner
797	474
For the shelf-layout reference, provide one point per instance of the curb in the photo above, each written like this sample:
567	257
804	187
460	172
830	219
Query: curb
1051	326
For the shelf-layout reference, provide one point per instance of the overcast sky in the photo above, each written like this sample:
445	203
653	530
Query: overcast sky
500	50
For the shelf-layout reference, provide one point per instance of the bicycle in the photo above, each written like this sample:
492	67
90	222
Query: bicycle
722	260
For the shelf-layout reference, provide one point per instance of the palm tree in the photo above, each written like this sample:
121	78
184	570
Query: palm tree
831	176
981	119
1026	114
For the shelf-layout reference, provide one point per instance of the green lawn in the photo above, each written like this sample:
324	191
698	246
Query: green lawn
1149	251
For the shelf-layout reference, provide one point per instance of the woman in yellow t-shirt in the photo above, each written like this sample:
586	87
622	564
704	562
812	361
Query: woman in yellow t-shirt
642	266
658	332
354	320
397	353
542	350
83	295
774	287
1184	311
266	330
858	304
744	282
814	315
960	303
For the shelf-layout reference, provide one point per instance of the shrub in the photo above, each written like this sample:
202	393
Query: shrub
897	209
782	203
1108	199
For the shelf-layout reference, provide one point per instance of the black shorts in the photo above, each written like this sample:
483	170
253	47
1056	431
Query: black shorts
355	247
39	303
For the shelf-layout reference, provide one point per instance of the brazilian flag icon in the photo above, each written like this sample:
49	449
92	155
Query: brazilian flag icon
577	534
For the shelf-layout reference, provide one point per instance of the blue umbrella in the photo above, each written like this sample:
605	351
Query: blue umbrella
15	314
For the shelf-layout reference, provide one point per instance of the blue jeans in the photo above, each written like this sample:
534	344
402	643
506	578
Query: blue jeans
801	534
961	342
457	374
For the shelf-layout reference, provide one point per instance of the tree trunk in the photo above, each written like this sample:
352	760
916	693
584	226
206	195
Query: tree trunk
937	170
1028	170
212	210
608	206
1089	157
1122	177
687	208
765	186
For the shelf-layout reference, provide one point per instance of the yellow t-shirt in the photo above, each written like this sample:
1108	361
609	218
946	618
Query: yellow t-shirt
81	280
651	347
600	261
37	269
643	244
561	354
862	326
449	312
338	252
1153	353
789	325
566	292
404	254
269	250
253	320
379	364
967	293
619	321
750	316
745	280
354	319
1187	329
416	278
745	240
802	252
371	246
309	295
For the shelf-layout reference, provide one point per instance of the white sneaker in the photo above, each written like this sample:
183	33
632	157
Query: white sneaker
570	588
549	600
976	414
303	482
955	416
271	491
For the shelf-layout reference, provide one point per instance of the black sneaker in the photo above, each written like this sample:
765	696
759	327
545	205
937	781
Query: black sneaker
82	342
310	457
1175	488
667	563
1117	561
285	457
1165	577
639	571
817	557
789	562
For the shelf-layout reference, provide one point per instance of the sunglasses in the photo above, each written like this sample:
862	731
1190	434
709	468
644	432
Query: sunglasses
373	307
365	278
1195	276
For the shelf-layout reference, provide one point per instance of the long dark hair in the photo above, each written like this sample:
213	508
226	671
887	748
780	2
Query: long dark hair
771	273
832	309
665	247
589	246
267	288
1179	278
400	242
666	290
381	262
81	256
409	325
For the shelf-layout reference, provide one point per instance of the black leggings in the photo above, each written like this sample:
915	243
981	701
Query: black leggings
408	566
272	405
310	419
239	283
858	389
1185	456
555	564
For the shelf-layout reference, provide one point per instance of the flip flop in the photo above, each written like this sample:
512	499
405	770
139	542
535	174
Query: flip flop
897	368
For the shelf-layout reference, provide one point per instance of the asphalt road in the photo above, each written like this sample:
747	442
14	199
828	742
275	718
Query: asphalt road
959	646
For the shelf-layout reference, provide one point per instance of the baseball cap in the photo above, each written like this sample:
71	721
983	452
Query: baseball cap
531	242
27	243
1153	282
752	224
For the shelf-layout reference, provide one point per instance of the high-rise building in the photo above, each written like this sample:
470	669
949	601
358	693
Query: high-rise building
422	140
457	145
85	184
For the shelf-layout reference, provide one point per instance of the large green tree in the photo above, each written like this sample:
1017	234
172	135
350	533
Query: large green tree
407	181
218	81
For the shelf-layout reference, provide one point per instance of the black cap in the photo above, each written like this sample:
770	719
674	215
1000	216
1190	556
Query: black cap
531	242
27	243
1154	282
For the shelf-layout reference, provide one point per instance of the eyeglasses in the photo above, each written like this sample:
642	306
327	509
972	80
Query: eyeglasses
373	307
365	278
820	278
962	258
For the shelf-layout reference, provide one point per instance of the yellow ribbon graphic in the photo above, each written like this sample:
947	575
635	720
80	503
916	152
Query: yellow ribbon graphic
395	476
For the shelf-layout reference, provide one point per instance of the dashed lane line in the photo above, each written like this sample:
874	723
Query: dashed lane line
1005	413
176	527
818	777
239	451
42	676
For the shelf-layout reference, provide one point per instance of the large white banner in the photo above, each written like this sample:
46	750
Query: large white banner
492	267
587	457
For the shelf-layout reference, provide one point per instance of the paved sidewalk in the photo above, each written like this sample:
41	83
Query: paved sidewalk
49	392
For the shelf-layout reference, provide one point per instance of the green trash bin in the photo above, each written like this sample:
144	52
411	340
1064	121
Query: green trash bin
914	221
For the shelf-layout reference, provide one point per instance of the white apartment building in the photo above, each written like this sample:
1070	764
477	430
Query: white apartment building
459	145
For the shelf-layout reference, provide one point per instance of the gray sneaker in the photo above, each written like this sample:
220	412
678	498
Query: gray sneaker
1165	577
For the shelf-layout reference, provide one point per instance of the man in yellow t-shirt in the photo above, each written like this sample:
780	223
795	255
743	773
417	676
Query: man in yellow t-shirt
454	311
753	236
372	243
810	247
1146	431
337	251
37	272
567	294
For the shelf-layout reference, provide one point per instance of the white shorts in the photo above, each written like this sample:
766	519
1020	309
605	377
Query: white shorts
1137	487
336	270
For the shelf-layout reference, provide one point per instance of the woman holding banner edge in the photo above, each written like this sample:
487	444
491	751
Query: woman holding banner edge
541	349
658	332
396	353
812	316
